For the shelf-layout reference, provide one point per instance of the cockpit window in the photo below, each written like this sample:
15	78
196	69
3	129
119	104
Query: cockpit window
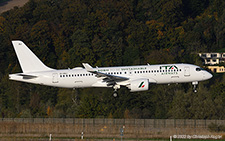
199	69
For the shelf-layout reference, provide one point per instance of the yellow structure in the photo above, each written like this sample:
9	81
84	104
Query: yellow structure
217	69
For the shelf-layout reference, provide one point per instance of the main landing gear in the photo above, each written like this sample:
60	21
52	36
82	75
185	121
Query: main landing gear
115	94
195	84
115	87
74	96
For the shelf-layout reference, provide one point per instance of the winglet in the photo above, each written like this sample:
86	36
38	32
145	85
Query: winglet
88	67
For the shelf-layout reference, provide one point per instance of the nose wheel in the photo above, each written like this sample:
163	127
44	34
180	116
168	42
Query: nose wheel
195	84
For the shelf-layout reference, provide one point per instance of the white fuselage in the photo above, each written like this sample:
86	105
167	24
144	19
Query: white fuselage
136	78
80	77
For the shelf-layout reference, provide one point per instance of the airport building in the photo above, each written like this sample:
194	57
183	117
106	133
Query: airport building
212	58
217	69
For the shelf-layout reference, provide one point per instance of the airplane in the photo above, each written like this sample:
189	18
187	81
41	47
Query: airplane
135	78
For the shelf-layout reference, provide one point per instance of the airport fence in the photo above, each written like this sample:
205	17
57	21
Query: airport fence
152	123
105	128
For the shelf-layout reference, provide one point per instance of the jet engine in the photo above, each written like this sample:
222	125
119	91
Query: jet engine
139	85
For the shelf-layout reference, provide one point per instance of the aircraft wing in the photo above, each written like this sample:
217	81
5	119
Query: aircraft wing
107	77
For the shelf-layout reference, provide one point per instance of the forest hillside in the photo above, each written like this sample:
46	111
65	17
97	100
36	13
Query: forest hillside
65	33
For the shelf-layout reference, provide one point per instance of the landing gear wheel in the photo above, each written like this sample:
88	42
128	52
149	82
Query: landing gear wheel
115	87
115	94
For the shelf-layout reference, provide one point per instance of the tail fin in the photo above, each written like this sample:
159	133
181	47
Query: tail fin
29	62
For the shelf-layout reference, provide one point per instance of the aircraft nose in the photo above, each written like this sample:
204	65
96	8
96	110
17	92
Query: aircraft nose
208	75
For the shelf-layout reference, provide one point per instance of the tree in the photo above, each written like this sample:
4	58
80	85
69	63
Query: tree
172	13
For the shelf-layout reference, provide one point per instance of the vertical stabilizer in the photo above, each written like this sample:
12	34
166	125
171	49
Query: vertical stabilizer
29	62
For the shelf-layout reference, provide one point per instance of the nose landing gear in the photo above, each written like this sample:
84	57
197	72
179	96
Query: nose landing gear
195	84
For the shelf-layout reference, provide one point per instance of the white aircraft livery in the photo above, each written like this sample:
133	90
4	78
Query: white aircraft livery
135	78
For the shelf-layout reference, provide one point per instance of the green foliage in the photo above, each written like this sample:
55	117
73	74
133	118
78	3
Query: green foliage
172	12
110	33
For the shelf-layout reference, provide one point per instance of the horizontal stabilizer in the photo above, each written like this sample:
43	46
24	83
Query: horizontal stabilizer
21	76
28	76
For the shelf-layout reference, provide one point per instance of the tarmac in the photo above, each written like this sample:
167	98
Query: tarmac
10	4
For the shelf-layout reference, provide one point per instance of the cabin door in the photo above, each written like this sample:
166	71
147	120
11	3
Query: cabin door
55	78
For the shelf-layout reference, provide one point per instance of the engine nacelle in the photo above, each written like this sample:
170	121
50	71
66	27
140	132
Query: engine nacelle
139	85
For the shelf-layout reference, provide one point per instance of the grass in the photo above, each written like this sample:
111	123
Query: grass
117	139
177	139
